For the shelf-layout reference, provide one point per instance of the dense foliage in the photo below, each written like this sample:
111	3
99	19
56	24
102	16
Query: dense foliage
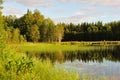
92	31
34	27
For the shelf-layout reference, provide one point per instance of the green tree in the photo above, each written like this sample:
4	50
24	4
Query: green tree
9	34
34	33
1	1
59	32
2	30
84	27
16	36
47	30
22	39
99	25
92	28
50	30
24	23
9	21
1	20
38	18
106	28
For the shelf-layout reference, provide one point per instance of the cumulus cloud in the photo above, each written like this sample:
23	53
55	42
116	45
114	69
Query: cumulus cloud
88	9
93	10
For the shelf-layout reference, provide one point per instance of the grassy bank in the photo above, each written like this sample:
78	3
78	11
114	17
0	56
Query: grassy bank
93	43
52	47
16	66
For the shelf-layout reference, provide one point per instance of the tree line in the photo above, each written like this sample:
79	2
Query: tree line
92	31
34	27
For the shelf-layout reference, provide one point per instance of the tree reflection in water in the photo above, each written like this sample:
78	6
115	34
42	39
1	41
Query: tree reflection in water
84	56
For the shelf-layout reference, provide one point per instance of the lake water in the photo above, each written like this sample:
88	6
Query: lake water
92	64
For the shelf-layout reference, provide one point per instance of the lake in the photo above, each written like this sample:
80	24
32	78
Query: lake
102	63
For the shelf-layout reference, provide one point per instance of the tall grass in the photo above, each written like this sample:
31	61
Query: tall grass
16	66
47	47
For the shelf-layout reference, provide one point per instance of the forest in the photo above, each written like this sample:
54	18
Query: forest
34	27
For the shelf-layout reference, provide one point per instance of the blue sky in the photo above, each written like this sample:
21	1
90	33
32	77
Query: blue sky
75	11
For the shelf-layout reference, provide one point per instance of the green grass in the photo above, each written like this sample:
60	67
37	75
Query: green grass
92	43
52	47
16	66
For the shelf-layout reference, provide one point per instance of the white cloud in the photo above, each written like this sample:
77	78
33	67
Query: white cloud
35	3
88	9
88	19
51	3
12	11
78	18
38	3
112	3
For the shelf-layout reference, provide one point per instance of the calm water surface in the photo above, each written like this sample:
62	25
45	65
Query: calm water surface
93	63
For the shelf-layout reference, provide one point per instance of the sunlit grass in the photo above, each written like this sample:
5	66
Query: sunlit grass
52	47
17	66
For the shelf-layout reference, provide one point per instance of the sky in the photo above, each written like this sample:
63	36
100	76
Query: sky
75	11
